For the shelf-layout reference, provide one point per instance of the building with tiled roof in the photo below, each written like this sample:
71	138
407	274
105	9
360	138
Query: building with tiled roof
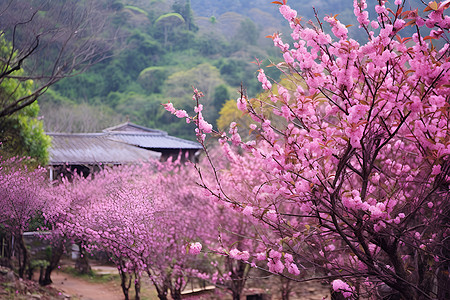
126	143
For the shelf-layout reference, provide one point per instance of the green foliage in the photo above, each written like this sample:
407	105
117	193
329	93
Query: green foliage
229	113
167	52
22	133
136	9
186	12
221	94
170	18
152	78
247	33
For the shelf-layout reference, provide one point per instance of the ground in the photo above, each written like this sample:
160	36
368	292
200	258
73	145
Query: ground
105	286
80	288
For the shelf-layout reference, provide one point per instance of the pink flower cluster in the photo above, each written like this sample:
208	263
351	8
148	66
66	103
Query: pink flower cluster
195	248
343	287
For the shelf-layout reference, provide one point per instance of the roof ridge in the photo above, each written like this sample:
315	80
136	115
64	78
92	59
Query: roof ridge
76	133
130	124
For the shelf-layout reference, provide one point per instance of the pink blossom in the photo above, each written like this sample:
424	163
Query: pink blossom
436	170
203	125
288	58
261	256
195	248
357	112
242	104
169	107
293	269
181	114
420	22
338	29
275	254
399	23
263	79
288	257
380	9
244	255
287	12
341	286
234	253
248	210
275	266
272	215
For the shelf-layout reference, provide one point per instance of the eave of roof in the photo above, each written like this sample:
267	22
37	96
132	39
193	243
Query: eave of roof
154	141
95	148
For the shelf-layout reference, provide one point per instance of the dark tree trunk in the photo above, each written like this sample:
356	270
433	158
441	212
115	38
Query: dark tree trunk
55	256
82	263
23	255
175	293
137	286
162	295
125	283
238	277
236	295
161	288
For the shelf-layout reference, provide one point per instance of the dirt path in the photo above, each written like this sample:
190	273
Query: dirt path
81	289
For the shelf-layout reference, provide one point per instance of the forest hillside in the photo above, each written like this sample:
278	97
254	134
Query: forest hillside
165	47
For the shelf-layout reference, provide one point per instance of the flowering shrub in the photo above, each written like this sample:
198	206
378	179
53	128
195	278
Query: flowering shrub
350	165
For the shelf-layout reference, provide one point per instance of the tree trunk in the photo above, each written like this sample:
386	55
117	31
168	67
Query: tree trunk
236	295
238	277
23	255
55	256
137	286
82	263
162	295
125	283
285	288
176	294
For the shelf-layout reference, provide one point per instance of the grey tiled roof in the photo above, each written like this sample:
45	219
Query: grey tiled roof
94	148
131	127
148	138
154	141
121	144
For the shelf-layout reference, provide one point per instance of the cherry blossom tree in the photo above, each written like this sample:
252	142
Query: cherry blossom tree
21	201
144	217
237	233
350	165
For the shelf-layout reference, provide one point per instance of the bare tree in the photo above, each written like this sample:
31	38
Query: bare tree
45	41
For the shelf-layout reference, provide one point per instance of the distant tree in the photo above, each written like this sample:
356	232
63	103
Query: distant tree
21	134
247	33
168	22
152	78
179	84
84	117
50	40
185	10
